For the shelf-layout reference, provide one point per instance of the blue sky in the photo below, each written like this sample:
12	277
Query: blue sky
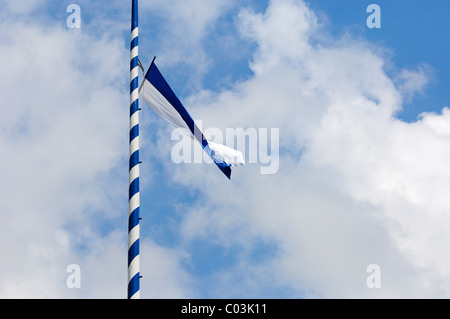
415	34
362	178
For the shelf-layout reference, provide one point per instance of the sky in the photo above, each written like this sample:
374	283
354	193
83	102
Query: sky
361	153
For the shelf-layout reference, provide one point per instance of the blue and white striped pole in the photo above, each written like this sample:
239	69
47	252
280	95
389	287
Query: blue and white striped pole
134	197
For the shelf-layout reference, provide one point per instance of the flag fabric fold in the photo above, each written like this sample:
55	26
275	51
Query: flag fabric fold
157	94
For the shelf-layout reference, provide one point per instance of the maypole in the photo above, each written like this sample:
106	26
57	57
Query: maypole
133	195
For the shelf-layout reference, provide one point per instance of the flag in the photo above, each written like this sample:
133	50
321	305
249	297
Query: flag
156	93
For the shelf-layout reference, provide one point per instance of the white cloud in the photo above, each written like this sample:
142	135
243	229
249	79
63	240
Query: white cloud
184	26
281	33
367	188
22	7
411	82
63	146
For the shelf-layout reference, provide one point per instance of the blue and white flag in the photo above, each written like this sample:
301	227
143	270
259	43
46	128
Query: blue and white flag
159	96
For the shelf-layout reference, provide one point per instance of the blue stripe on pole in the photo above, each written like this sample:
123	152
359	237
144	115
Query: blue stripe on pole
134	188
133	251
134	132
134	62
134	159
134	15
134	84
133	285
134	107
133	220
134	42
